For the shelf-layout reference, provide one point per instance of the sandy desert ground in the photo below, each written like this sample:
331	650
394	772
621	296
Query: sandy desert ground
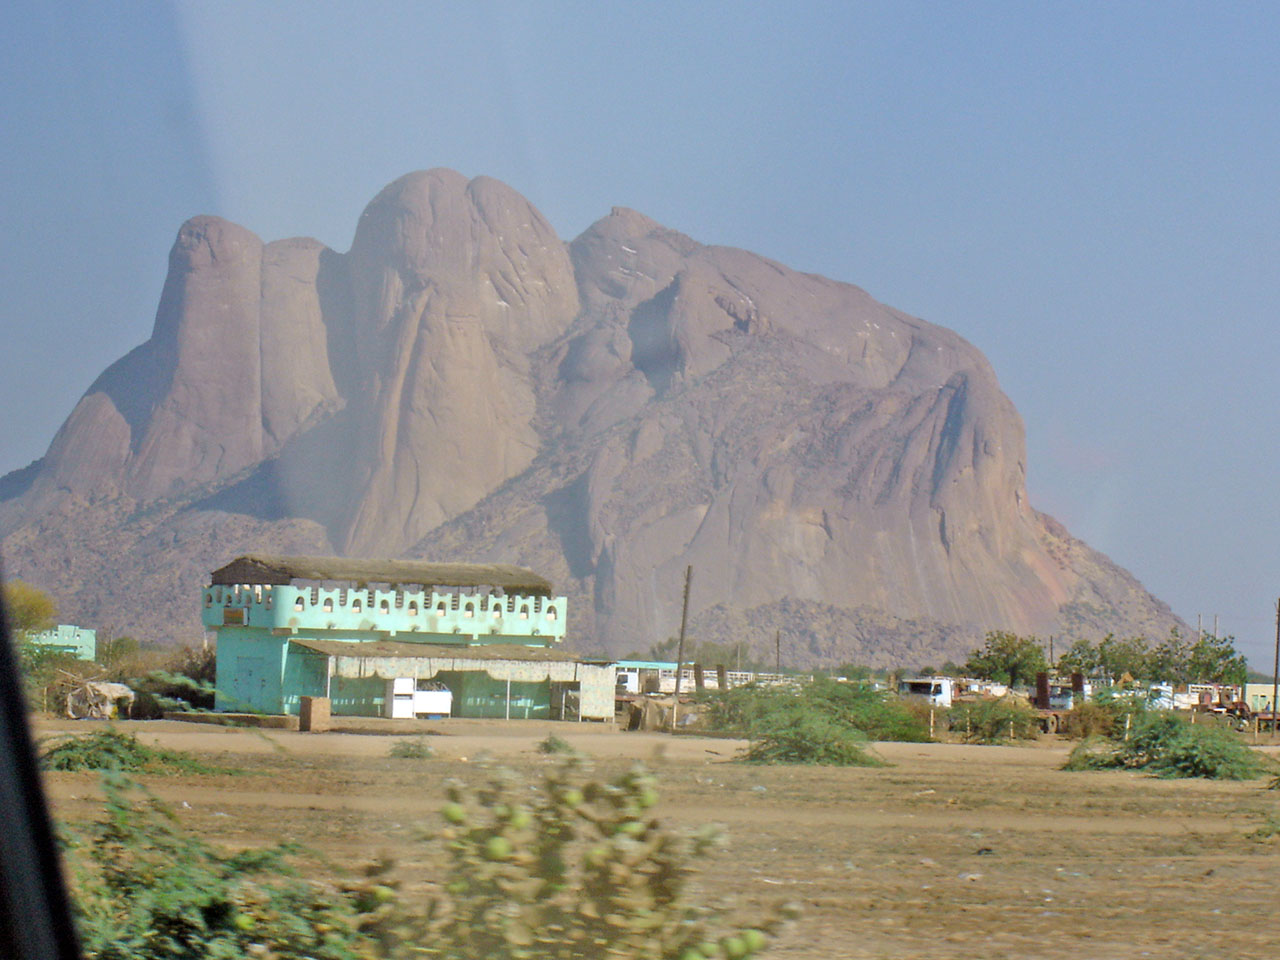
952	851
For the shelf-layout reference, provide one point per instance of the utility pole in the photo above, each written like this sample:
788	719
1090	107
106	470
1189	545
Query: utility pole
777	652
684	619
1275	677
1215	626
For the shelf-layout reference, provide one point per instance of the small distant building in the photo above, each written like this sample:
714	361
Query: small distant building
369	634
65	638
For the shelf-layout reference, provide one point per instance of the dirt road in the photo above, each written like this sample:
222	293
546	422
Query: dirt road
952	851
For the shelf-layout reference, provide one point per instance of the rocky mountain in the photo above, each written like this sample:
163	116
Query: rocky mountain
462	385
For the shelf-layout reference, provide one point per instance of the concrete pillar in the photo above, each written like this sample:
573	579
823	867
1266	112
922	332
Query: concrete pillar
313	715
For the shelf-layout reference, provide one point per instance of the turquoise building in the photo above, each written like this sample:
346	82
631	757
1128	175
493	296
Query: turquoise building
66	638
355	630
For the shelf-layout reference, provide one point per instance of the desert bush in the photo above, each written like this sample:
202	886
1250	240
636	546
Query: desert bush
416	748
146	889
878	714
994	721
1106	715
875	714
120	752
184	682
803	735
1165	745
555	745
1090	719
575	869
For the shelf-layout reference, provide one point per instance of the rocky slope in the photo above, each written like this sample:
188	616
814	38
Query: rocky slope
463	385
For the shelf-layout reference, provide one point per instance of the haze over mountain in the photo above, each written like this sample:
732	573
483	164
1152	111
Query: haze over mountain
462	385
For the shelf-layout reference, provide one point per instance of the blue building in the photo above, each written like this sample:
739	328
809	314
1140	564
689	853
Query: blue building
355	630
69	639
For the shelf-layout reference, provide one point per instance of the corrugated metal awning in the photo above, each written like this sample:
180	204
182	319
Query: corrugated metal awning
393	649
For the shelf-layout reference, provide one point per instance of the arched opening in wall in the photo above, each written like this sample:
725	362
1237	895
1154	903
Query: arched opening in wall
524	612
208	600
328	605
413	608
469	610
297	603
356	606
385	606
441	608
551	613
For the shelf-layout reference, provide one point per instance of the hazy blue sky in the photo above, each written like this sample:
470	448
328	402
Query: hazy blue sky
1088	192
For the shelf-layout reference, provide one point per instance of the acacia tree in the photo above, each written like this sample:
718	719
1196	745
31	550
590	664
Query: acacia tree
1215	660
28	609
1170	659
1120	655
1081	658
1007	658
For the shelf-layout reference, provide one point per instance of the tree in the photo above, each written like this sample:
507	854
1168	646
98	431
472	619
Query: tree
1081	658
1215	660
1170	660
114	650
28	609
1007	658
1120	655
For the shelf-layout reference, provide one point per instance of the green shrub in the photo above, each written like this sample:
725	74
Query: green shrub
994	721
576	870
875	714
555	745
1165	745
121	752
146	889
414	749
878	714
803	735
186	682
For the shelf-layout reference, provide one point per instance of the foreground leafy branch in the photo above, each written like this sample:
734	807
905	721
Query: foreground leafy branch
570	868
573	871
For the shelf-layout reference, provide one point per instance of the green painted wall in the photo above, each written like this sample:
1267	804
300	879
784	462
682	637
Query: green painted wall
251	665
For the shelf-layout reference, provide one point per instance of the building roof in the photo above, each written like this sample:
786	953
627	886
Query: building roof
261	568
394	649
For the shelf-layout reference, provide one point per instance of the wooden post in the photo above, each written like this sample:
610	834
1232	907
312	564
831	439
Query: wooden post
931	721
508	698
684	619
1275	678
777	649
1128	717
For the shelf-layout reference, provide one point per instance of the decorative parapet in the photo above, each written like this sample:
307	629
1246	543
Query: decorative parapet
461	616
